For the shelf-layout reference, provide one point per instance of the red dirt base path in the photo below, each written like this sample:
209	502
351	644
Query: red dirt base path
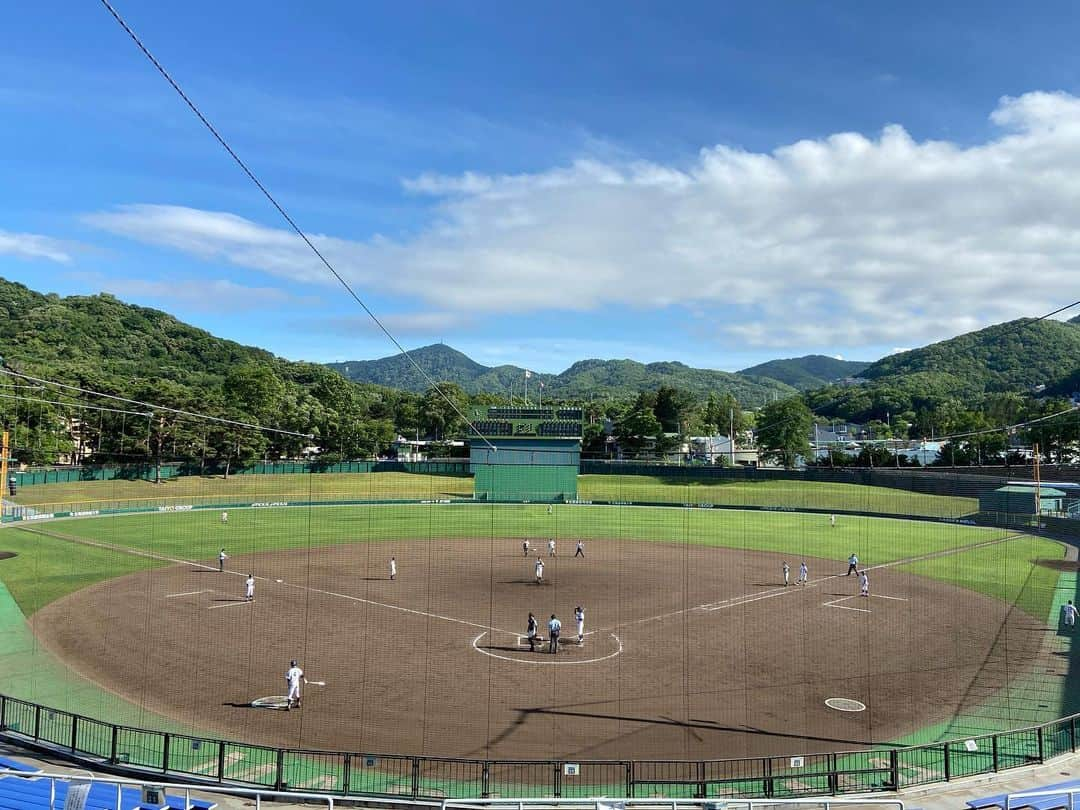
691	652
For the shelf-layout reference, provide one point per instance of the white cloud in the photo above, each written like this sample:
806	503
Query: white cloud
33	246
199	295
846	240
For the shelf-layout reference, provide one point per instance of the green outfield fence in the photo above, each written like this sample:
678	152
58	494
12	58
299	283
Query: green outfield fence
140	752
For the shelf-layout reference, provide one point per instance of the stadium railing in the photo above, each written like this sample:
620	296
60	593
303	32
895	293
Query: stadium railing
205	761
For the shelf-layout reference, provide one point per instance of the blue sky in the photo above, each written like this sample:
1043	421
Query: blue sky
720	184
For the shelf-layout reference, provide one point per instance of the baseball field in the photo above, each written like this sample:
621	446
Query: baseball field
693	645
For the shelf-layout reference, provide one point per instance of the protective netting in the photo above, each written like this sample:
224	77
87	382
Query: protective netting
410	599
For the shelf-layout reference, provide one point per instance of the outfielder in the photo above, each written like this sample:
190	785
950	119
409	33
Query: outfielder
293	677
539	571
224	517
249	587
832	520
579	617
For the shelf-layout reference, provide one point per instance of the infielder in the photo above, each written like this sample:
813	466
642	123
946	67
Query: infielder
852	565
787	573
804	574
551	547
1068	612
293	677
554	629
580	552
249	587
579	617
539	571
530	633
221	558
864	584
525	547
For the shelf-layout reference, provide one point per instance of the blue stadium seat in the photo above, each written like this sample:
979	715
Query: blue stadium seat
25	794
1037	803
8	764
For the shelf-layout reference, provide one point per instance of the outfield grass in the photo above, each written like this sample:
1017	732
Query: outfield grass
408	486
365	486
790	493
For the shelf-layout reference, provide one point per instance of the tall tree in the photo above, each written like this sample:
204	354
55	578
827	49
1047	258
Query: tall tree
784	434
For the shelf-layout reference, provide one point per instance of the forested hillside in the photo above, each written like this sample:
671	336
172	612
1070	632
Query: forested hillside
617	379
804	373
102	344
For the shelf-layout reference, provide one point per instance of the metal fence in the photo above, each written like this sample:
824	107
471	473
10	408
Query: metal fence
214	761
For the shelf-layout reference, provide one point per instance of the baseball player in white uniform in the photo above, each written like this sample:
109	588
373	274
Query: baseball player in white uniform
864	584
787	573
539	571
1068	613
249	587
579	617
293	677
224	517
580	551
393	568
804	574
221	558
551	547
525	547
832	520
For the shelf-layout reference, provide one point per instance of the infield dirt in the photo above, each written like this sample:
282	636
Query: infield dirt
691	652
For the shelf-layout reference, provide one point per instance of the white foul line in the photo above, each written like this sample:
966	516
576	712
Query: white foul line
187	593
834	604
232	604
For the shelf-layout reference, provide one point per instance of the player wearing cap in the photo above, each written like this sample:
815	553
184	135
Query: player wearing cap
221	558
554	629
539	571
579	617
249	587
293	677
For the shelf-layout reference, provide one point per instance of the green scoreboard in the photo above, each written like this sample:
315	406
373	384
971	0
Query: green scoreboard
526	453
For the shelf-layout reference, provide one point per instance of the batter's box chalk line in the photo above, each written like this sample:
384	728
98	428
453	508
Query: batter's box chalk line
271	702
569	642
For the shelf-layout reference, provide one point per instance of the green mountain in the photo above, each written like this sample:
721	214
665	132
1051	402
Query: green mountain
584	379
1012	356
100	343
804	373
1017	357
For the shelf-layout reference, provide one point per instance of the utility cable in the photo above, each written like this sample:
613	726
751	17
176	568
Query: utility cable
285	215
154	407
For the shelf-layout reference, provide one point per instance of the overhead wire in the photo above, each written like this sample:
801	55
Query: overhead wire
288	218
154	407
